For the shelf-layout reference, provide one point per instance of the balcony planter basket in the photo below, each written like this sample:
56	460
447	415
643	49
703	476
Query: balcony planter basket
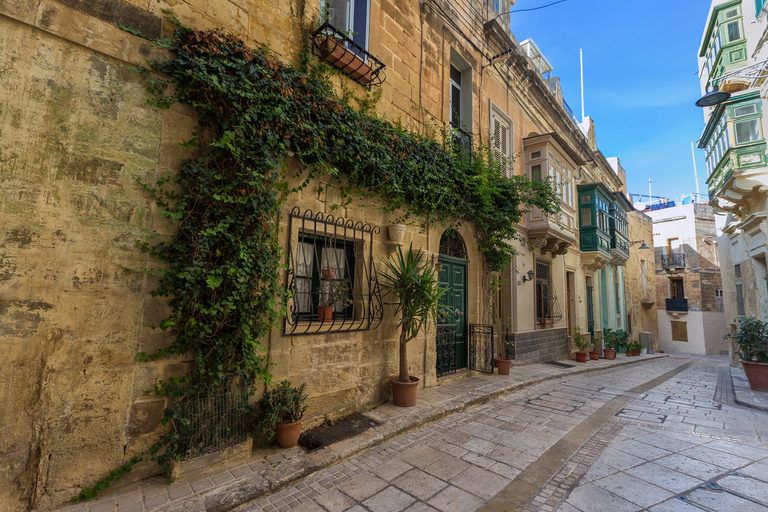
334	46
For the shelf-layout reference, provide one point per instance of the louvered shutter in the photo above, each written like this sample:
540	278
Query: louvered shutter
500	141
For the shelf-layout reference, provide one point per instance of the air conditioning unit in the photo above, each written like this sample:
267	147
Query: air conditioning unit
646	338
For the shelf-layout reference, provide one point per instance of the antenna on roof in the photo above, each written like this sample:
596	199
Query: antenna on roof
581	61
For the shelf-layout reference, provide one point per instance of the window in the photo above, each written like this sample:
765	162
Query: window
747	131
351	17
618	299
679	331
543	290
737	270
733	31
324	275
536	172
455	97
731	13
501	138
718	293
586	217
740	300
676	289
330	265
535	154
746	110
497	5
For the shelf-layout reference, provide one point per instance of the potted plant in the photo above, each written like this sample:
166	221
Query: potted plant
597	347
281	411
613	341
634	347
333	293
502	363
413	283
752	339
582	342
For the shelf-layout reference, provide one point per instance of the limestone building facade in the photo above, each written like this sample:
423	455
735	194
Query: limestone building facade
75	301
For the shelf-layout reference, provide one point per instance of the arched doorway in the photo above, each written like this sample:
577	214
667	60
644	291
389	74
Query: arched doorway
453	257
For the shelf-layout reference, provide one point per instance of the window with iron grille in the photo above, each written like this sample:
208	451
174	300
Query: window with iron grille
331	275
547	307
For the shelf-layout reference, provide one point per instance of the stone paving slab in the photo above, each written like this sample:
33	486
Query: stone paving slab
272	469
745	395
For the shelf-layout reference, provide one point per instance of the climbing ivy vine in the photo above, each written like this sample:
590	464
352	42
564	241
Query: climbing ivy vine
222	264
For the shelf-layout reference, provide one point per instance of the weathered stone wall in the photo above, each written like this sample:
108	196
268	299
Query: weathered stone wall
74	302
640	279
539	346
75	307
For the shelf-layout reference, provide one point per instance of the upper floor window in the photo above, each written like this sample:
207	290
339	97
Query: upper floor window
501	138
747	131
351	17
733	30
497	5
460	102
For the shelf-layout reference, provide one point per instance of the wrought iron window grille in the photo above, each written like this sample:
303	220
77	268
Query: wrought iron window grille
333	45
481	349
547	306
462	140
445	344
451	244
330	266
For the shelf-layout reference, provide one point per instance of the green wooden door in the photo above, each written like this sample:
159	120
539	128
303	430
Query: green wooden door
590	311
454	277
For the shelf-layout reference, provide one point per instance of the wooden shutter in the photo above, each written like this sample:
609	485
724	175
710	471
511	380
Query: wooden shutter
679	331
500	140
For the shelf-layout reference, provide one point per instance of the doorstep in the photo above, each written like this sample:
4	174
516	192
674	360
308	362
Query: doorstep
269	470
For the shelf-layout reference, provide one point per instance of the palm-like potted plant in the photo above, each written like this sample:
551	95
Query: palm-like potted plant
752	339
582	342
412	282
281	412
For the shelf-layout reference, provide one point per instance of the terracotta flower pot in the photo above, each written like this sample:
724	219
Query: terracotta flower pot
503	365
757	374
594	356
328	274
609	353
325	313
288	433
404	393
581	357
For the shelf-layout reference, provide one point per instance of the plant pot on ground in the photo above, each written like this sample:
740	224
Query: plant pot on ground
613	341
582	342
752	341
280	413
412	282
634	347
502	365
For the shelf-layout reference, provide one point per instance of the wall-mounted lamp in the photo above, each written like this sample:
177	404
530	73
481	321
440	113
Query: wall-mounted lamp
639	242
530	274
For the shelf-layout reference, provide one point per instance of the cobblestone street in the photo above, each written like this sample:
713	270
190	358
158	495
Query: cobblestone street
676	441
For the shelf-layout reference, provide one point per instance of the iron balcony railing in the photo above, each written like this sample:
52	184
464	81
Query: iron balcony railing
673	260
462	140
677	304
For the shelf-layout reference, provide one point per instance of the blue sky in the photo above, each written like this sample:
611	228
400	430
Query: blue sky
640	80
